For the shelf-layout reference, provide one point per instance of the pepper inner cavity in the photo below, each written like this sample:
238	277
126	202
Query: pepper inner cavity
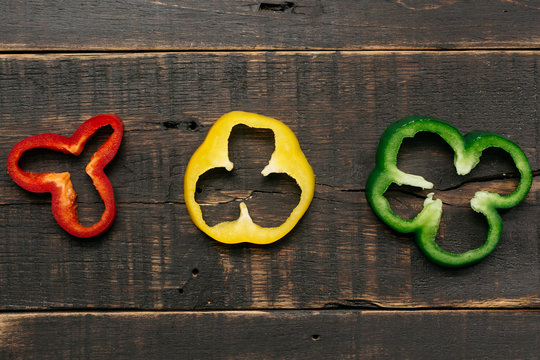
90	206
270	199
461	229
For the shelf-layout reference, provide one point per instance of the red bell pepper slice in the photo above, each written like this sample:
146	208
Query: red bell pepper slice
64	205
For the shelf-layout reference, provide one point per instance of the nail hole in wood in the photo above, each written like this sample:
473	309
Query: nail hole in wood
170	124
277	7
192	125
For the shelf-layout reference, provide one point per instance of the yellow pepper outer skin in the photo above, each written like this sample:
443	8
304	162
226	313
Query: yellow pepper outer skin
286	158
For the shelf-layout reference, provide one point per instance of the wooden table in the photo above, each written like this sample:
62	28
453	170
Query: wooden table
341	285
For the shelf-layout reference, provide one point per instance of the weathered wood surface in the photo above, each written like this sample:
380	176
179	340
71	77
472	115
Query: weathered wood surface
349	334
338	104
246	24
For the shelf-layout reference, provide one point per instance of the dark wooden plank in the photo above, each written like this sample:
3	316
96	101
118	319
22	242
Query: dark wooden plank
338	104
272	335
269	24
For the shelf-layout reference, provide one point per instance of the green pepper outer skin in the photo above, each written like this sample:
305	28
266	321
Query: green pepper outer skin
467	152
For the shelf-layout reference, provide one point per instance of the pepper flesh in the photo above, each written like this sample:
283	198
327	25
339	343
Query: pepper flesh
63	195
467	152
286	158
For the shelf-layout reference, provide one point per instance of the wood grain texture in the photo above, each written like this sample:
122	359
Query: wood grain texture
31	25
338	104
347	334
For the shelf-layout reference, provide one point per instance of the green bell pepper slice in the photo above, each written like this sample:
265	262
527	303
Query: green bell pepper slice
467	152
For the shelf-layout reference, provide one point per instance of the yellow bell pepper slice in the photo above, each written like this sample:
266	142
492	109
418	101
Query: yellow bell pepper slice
286	158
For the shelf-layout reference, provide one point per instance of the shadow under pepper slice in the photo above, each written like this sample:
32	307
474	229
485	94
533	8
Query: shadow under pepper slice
467	152
286	158
63	202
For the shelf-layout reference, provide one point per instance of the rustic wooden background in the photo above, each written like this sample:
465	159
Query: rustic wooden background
341	285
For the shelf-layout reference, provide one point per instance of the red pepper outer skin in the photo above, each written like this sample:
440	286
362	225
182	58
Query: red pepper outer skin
64	205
